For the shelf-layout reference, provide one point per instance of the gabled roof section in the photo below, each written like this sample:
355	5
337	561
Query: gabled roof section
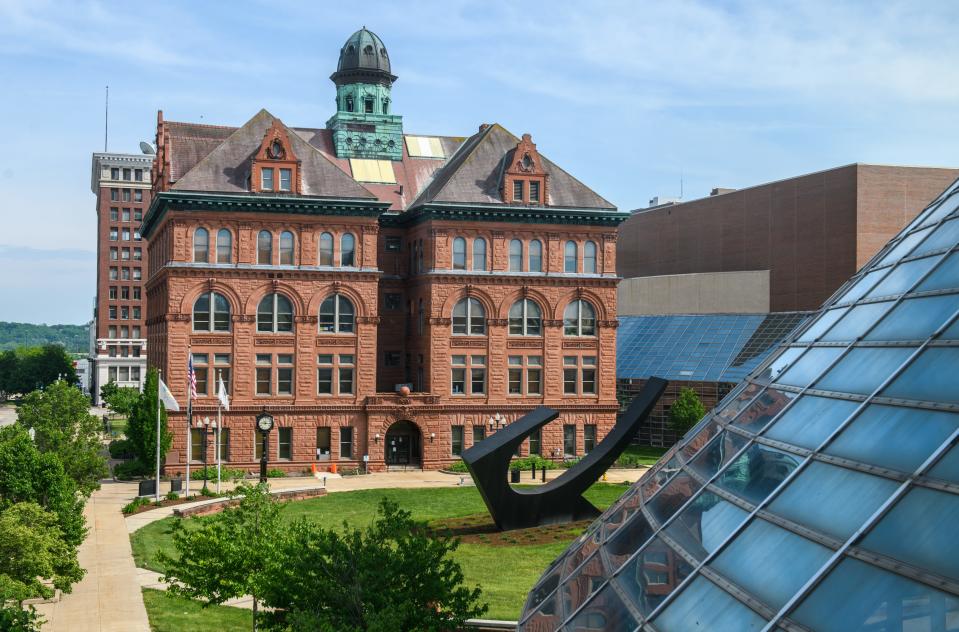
226	168
474	176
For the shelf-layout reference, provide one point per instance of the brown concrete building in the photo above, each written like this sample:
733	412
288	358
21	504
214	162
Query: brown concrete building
121	183
321	270
810	233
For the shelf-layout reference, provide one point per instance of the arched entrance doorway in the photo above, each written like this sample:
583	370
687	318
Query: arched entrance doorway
403	444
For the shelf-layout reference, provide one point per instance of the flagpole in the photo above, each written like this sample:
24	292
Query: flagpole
159	379
219	424
189	424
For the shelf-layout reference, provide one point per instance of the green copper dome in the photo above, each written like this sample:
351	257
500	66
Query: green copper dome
363	58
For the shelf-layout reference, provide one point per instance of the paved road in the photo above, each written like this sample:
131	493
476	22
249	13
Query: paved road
8	415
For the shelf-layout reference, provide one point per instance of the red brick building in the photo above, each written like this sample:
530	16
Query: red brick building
320	269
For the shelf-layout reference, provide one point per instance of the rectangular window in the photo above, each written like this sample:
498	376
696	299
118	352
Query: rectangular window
137	274
346	442
266	179
393	243
126	195
112	373
126	234
459	375
285	443
477	375
114	214
114	234
224	444
124	293
136	294
136	235
136	330
285	179
284	374
113	254
126	215
569	375
127	173
534	191
536	442
323	444
221	363
479	433
198	445
115	173
534	375
457	440
138	197
125	273
138	175
589	438
515	382
392	301
569	440
346	375
135	370
113	312
113	274
201	371
125	254
114	195
517	190
125	313
324	374
124	332
264	370
579	375
589	375
112	331
138	254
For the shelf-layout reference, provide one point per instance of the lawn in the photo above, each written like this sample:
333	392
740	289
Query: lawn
505	573
168	613
118	427
647	455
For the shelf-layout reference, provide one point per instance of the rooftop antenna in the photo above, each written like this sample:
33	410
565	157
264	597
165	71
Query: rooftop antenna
106	121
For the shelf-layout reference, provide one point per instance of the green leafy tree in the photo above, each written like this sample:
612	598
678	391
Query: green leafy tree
33	549
390	577
686	411
41	366
229	554
120	399
141	427
9	374
60	417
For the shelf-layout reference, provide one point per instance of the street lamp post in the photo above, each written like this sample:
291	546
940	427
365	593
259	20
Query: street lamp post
264	423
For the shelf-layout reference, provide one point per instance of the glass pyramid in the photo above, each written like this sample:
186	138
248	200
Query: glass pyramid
821	494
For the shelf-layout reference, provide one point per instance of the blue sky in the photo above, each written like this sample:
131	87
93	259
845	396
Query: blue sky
630	97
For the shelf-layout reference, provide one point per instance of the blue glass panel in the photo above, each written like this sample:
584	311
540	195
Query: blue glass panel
951	332
863	285
769	404
921	530
755	473
544	588
585	581
770	562
810	421
605	611
945	277
705	524
583	548
547	617
704	606
780	364
857	321
833	500
627	540
945	207
680	489
857	597
717	454
905	246
621	512
734	405
946	236
700	439
824	322
809	366
894	437
863	370
652	575
657	477
948	466
931	377
915	318
902	277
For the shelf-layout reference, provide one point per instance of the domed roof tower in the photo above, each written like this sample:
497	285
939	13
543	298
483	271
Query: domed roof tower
364	125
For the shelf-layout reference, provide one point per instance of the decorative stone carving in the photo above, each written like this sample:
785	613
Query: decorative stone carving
497	322
441	322
466	342
323	341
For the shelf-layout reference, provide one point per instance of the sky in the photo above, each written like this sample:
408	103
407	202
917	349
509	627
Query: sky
636	99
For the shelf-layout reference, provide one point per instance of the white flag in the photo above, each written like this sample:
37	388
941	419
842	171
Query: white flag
167	397
221	394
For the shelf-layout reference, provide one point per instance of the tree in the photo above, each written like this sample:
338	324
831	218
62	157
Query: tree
141	428
9	374
30	368
391	577
120	399
60	417
229	554
686	411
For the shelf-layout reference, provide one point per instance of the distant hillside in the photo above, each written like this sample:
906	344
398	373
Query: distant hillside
76	338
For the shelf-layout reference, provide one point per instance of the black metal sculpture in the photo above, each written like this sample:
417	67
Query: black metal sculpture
559	500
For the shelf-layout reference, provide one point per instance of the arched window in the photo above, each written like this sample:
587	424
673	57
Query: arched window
525	318
286	248
569	257
337	315
211	312
579	319
326	249
264	248
479	254
536	256
274	314
469	318
515	255
459	254
224	246
201	245
347	250
589	257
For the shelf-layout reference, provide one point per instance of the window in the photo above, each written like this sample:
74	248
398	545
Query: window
274	314
536	256
264	248
459	254
326	249
224	444
420	319
201	245
589	257
138	175
284	374
125	313
134	374
138	254
589	438
479	433
125	274
113	293
124	293
114	195
112	374
349	103
323	439
112	331
125	215
393	243
525	318
136	235
469	318
136	313
368	106
137	274
114	252
201	372
342	367
536	441
285	179
479	254
515	255
126	195
392	301
569	440
285	443
534	191
126	234
113	274
114	234
324	374
468	375
336	315
569	257
525	375
346	442
136	331
346	374
126	174
457	440
198	445
579	375
517	190
391	358
224	246
286	248
138	197
125	254
264	374
266	179
114	214
347	250
579	319
136	294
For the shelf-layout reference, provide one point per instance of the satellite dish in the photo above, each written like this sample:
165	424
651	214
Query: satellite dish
147	148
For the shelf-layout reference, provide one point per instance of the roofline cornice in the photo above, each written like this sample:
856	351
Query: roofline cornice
250	203
505	213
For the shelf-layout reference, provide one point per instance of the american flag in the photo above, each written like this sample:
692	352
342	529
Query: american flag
191	376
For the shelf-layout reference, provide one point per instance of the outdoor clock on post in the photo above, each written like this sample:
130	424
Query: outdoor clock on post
264	423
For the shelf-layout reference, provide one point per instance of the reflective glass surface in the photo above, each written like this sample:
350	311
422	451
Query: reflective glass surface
902	277
627	540
945	236
704	606
809	366
717	454
652	575
582	583
605	611
755	473
932	377
948	466
824	322
672	497
811	420
857	321
945	277
705	524
862	370
915	318
764	408
905	246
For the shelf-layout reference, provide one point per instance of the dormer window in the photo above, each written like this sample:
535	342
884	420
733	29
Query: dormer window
275	165
368	105
517	190
349	104
285	179
386	106
534	192
266	179
524	180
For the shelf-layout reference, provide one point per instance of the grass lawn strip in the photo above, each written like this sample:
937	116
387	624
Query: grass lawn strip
168	613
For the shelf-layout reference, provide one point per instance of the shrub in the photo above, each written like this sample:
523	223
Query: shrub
121	449
209	472
172	495
629	460
132	507
686	411
128	470
275	473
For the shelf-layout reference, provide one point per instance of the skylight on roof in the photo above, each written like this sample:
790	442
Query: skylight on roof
424	147
379	171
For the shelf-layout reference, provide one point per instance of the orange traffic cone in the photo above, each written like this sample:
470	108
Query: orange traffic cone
333	469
